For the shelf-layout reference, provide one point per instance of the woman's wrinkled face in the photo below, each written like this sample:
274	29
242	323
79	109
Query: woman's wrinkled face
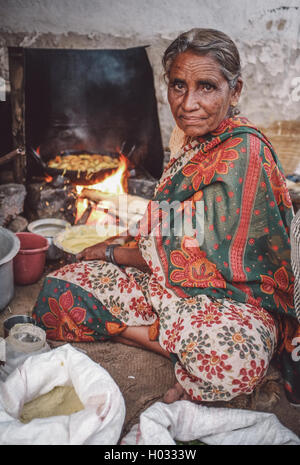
198	93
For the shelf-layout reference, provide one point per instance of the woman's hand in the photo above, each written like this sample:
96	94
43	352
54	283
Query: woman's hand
124	255
93	252
97	251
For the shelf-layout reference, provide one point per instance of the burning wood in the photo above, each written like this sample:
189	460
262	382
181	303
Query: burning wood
105	201
135	203
85	215
125	208
91	208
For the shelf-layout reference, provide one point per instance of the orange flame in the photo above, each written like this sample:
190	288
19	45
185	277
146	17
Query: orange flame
48	178
115	183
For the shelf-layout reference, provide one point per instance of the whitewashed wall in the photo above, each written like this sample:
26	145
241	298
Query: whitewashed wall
266	32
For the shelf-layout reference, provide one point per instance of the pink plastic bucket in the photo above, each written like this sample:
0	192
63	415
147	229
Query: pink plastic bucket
29	263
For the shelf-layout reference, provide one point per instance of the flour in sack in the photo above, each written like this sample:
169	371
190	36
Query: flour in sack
62	400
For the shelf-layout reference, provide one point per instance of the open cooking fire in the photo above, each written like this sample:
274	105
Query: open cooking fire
89	210
106	202
93	201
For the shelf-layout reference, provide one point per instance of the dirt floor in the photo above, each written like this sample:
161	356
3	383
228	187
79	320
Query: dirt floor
142	376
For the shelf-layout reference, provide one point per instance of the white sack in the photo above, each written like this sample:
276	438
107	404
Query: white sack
185	421
101	420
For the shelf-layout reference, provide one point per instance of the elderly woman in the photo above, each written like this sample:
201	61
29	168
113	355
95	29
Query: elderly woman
216	296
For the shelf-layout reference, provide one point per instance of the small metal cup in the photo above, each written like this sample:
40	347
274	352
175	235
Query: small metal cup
14	320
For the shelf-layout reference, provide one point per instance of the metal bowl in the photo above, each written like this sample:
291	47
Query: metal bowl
9	247
14	320
49	228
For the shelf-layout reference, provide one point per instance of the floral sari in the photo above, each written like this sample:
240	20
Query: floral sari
220	294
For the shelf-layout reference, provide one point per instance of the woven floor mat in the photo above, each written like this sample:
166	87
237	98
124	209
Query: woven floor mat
142	376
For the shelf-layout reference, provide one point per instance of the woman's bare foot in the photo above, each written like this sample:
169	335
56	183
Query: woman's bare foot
176	393
138	336
127	342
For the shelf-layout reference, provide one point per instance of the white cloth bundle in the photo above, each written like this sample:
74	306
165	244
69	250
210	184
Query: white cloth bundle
185	421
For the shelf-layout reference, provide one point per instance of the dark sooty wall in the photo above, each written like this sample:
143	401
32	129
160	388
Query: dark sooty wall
94	100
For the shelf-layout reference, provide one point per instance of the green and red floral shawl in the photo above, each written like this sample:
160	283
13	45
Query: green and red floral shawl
247	211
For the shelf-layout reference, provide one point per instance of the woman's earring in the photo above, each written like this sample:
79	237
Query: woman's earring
234	111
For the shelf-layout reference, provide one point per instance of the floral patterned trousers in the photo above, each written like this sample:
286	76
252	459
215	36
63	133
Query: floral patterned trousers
221	348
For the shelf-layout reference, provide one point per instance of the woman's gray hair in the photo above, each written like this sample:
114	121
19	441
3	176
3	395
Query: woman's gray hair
207	41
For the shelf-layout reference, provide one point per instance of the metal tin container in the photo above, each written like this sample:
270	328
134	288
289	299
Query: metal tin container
49	228
13	320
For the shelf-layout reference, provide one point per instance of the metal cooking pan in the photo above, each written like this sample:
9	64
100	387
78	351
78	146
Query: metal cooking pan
82	177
